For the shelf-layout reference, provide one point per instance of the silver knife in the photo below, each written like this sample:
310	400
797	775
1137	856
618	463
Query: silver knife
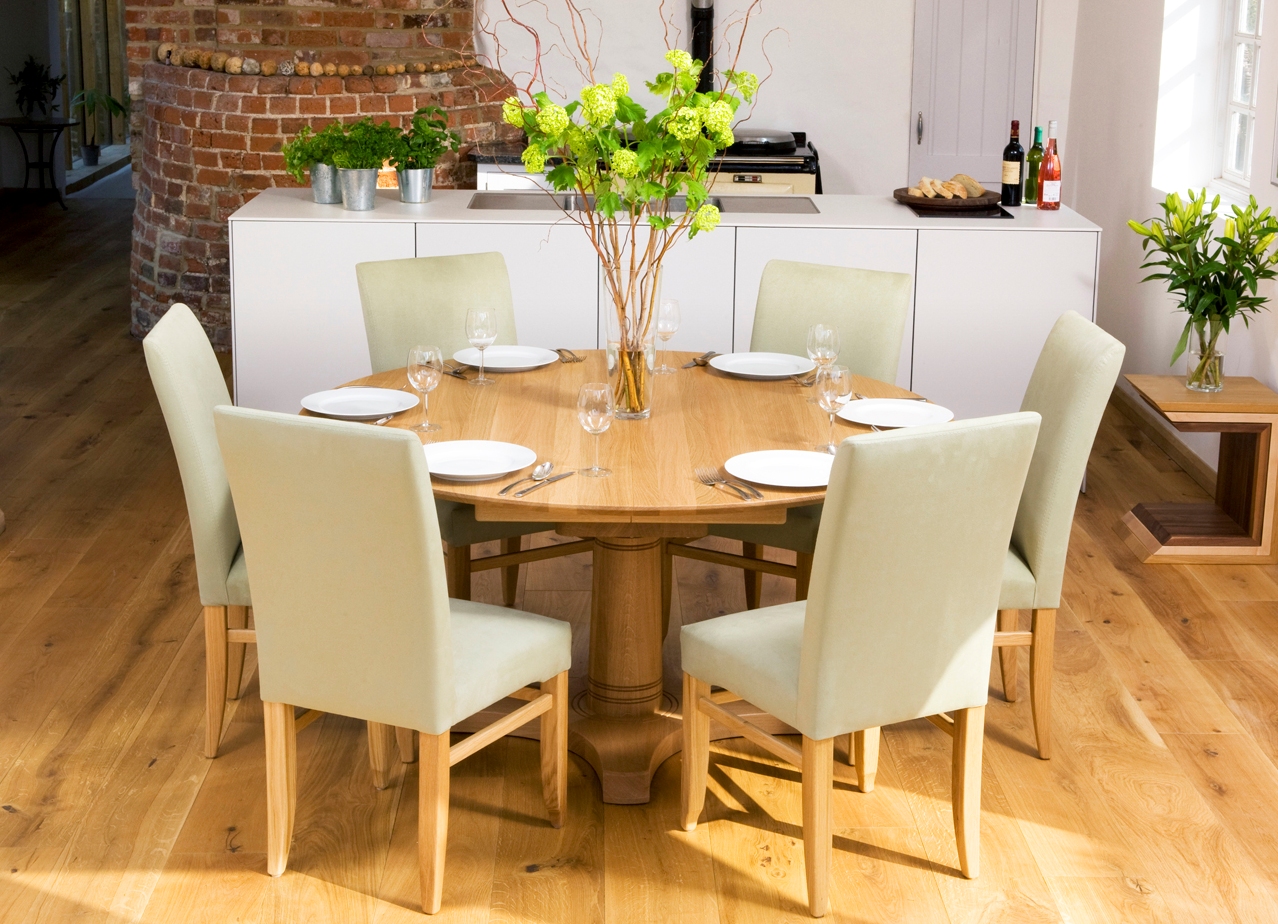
542	484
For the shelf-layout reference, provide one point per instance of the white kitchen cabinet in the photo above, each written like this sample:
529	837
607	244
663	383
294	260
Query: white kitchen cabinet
553	274
296	322
889	250
984	304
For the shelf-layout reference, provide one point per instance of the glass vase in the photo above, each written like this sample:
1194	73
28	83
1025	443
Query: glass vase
1205	368
632	359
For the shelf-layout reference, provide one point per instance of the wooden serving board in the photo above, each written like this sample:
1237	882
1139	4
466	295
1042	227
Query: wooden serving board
978	203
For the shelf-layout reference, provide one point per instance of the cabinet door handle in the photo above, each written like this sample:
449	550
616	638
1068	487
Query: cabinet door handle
919	128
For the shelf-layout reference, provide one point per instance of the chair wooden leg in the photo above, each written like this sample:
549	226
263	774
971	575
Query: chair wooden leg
236	618
865	747
554	749
1008	621
281	784
969	733
667	586
753	579
818	820
803	562
510	576
459	572
406	743
696	752
1043	628
214	677
380	742
432	818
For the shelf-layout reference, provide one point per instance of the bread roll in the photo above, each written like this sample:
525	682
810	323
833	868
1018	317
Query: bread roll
957	188
914	191
973	188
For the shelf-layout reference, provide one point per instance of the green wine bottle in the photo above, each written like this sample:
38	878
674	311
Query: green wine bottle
1032	160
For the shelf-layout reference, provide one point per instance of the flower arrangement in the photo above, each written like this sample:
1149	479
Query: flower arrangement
366	145
425	141
309	148
36	88
1215	276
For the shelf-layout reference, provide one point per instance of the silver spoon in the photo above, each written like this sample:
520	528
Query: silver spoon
540	473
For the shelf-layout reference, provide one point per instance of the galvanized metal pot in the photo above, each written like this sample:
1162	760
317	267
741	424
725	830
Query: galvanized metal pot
359	189
415	185
325	186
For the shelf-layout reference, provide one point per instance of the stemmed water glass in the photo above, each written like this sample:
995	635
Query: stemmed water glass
823	347
594	410
481	331
667	326
425	368
833	390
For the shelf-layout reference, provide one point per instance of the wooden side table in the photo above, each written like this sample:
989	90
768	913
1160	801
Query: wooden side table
1239	527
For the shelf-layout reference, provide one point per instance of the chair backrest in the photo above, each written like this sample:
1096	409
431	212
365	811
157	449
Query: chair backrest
189	384
424	300
868	307
1070	387
344	555
906	576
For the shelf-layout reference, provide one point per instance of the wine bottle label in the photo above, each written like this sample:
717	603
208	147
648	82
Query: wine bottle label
1011	171
1051	190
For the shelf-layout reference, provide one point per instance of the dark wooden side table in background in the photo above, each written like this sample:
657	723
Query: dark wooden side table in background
42	163
1239	527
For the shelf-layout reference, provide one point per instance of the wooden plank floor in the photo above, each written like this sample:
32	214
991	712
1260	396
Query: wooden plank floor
1161	803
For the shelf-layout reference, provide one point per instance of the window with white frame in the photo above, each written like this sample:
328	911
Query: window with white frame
1240	107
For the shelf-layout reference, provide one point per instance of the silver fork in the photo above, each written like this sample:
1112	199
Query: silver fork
567	356
711	478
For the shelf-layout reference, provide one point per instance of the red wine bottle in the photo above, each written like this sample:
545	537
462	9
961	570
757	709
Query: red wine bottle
1013	167
1049	174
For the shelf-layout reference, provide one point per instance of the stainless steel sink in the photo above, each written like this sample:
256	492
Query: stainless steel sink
768	205
532	201
537	201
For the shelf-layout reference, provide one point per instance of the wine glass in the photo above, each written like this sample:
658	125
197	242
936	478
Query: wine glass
425	368
594	410
823	347
667	326
481	331
833	389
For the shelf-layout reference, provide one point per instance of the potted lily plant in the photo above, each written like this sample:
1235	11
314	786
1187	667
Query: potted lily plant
88	101
418	151
37	90
1215	276
314	152
366	147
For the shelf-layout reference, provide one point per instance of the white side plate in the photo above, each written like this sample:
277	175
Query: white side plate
763	366
476	460
507	358
894	412
782	468
359	403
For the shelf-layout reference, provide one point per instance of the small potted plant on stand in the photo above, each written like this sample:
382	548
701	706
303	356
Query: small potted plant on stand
36	90
418	151
88	100
366	147
1215	277
315	152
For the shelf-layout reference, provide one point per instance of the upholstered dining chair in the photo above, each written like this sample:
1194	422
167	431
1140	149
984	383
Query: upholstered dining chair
425	300
870	308
353	616
897	625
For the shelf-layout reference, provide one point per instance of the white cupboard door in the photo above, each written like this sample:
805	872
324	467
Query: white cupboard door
553	271
698	273
872	249
984	304
973	74
296	322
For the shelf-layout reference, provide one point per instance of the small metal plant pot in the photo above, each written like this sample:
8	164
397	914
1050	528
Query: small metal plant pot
415	185
89	153
359	189
325	185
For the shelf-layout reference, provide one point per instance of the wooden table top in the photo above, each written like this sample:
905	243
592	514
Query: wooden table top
700	417
1241	395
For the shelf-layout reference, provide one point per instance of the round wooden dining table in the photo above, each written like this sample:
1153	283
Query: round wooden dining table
625	720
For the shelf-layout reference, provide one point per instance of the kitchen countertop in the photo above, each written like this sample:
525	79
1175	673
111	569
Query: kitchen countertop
836	211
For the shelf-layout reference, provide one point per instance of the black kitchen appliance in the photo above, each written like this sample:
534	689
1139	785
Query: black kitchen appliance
767	160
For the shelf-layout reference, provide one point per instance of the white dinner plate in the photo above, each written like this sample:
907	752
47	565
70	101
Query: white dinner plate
762	365
782	468
359	403
507	358
476	460
894	412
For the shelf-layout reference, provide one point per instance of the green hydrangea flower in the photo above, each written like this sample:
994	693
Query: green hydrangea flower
685	124
724	139
535	160
578	141
620	85
748	84
679	59
599	104
625	163
512	111
552	119
718	117
706	219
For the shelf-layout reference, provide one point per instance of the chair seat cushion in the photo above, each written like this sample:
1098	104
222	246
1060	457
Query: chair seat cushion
754	654
237	585
498	650
1018	584
798	533
458	526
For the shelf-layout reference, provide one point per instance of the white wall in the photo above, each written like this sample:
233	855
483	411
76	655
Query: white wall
29	28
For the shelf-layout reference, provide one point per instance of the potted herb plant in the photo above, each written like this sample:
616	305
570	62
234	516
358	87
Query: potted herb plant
366	147
88	100
36	89
1215	276
314	152
418	151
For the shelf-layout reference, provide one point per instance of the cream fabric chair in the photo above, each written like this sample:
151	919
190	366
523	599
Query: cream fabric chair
870	309
353	616
189	384
425	300
897	626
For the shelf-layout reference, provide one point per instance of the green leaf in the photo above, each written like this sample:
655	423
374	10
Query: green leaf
1182	343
